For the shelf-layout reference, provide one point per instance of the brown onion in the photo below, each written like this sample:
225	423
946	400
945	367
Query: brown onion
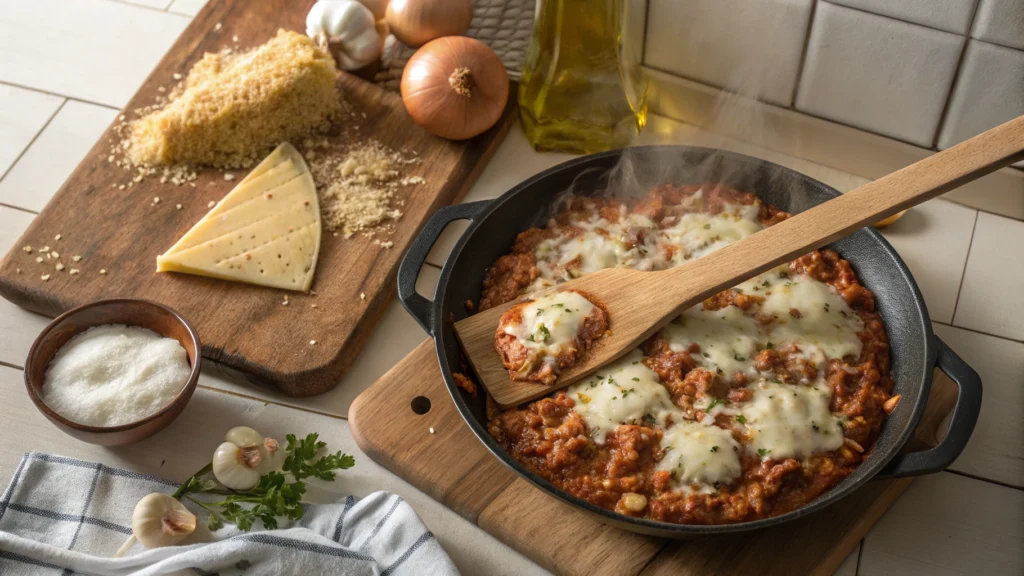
378	7
455	87
416	22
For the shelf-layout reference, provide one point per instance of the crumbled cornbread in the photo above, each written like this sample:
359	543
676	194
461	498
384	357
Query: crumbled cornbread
235	107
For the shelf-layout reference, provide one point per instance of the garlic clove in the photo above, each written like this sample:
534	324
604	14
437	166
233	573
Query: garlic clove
235	467
160	520
273	456
243	436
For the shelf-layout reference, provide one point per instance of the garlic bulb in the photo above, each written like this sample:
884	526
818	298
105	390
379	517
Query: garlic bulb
160	520
244	456
347	30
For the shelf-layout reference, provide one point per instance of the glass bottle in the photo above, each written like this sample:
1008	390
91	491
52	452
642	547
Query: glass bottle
582	89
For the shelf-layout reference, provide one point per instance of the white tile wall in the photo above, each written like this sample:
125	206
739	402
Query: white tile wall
989	90
949	15
95	51
53	156
23	113
747	46
993	290
876	73
1001	22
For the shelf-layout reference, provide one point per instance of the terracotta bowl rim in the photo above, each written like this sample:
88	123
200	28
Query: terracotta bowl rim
182	396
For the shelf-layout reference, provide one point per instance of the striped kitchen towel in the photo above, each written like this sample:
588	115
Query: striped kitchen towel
65	516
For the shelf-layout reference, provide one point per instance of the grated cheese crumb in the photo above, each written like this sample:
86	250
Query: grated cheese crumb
44	277
312	342
229	176
76	258
362	295
59	266
74	271
211	204
57	237
39	259
431	429
27	249
103	270
232	108
177	206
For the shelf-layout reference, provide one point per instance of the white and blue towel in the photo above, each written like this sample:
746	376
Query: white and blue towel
63	516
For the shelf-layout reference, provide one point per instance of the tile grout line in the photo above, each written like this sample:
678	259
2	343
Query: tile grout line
983	479
803	55
860	555
144	7
64	96
274	402
956	77
33	140
963	275
18	208
972	330
9	365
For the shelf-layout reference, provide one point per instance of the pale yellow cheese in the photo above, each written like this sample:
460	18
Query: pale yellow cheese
266	231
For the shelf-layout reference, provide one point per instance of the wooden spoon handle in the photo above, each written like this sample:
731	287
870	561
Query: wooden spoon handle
816	227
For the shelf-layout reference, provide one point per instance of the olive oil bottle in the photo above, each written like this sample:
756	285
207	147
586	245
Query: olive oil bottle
582	89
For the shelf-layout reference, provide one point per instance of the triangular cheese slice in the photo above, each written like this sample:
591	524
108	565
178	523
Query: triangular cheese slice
266	231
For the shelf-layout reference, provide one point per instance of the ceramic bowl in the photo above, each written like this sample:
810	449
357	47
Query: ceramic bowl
129	311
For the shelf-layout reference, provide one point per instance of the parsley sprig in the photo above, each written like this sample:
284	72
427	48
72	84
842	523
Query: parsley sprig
277	495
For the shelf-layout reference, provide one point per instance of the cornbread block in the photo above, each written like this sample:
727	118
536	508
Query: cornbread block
265	232
235	106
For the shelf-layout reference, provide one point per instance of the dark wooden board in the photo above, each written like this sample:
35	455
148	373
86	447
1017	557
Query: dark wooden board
245	328
455	469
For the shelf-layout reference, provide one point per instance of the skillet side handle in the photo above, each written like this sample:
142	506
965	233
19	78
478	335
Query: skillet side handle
965	416
419	307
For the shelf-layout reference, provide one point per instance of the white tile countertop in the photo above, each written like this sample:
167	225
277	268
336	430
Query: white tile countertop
63	82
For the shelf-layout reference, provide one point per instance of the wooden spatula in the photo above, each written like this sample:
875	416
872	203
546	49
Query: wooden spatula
641	303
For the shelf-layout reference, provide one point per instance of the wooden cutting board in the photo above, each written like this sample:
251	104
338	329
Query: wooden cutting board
436	452
245	328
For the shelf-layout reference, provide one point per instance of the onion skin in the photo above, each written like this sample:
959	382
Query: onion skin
455	87
378	7
416	22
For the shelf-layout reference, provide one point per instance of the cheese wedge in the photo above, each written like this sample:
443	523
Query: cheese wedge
265	232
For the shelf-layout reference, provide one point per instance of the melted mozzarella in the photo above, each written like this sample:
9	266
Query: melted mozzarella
696	453
550	324
791	421
624	392
826	328
728	338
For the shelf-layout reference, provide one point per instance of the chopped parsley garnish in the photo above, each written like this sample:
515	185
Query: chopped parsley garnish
559	305
770	346
540	311
720	371
739	358
667	448
741	419
714	448
542	334
783	274
635	379
705	354
766	284
599	376
707	226
714	402
762	452
627	391
815	427
826	307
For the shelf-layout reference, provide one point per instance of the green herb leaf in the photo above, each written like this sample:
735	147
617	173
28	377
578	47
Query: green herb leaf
741	419
714	448
762	452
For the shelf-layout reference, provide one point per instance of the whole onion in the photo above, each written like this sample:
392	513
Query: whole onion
416	22
455	87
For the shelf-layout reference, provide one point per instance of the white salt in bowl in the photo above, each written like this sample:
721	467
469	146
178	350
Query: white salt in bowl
129	311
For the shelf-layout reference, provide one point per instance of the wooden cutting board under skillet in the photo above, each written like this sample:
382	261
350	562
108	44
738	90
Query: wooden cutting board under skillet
244	328
407	422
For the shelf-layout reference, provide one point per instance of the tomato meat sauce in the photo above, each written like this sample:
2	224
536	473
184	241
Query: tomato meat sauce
750	405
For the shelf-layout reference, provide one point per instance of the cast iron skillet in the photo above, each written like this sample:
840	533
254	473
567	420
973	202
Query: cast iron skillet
495	224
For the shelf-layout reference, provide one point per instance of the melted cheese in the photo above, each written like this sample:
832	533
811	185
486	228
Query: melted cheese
624	392
551	324
728	338
791	421
826	328
266	231
699	454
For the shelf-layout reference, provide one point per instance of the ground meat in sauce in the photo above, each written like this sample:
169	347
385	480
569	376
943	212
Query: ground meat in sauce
551	439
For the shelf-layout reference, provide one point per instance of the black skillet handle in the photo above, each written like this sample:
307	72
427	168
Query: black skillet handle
421	308
965	416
